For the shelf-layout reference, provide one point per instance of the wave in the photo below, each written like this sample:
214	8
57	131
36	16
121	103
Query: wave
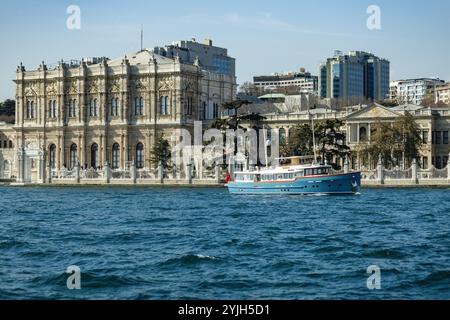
12	244
98	279
189	259
386	254
436	277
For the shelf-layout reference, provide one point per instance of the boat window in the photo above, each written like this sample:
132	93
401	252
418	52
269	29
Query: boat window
280	177
299	174
308	172
288	176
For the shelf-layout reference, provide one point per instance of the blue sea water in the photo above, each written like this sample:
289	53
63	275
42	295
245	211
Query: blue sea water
202	243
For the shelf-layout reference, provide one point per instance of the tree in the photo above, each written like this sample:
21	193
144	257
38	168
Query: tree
388	103
300	142
395	142
250	89
8	111
330	141
234	121
409	140
161	153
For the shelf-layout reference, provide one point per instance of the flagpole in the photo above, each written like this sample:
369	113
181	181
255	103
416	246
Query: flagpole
142	38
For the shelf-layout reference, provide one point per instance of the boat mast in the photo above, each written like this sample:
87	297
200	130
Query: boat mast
313	136
266	144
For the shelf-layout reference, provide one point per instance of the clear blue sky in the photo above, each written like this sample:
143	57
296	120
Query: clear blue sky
264	36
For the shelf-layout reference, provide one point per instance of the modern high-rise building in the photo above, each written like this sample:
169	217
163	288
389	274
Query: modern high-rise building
210	58
302	81
357	74
443	94
414	90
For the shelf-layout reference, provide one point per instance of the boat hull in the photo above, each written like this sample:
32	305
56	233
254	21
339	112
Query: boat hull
331	184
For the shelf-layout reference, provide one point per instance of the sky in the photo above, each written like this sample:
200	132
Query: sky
264	36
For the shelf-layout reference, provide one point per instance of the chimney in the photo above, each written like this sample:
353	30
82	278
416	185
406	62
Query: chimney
208	42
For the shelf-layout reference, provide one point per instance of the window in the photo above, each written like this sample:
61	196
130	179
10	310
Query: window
215	110
438	137
93	111
114	107
94	156
54	109
50	109
73	156
164	105
204	110
72	108
188	106
425	163
52	156
139	106
438	163
10	144
30	110
445	137
282	134
115	156
363	134
425	137
140	156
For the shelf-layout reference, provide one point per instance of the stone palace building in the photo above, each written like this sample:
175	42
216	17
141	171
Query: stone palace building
101	111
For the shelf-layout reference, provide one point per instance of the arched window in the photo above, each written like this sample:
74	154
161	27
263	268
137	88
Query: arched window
52	156
363	134
115	156
140	156
73	156
114	107
94	156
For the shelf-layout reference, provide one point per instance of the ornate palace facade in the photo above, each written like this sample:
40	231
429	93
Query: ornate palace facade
109	111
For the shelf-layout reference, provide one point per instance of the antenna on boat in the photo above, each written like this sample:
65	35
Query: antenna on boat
314	135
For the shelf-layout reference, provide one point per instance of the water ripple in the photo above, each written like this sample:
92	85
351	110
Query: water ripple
202	243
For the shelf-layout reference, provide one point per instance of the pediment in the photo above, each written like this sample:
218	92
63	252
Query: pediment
376	111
